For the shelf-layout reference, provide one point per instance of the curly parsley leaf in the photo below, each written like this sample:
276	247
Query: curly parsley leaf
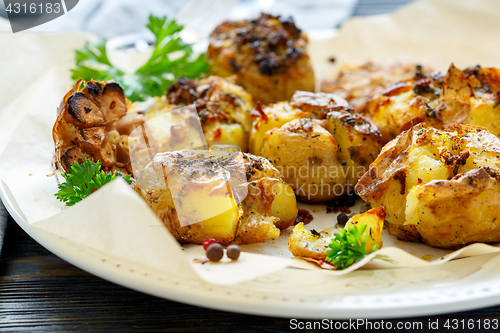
171	58
83	180
348	246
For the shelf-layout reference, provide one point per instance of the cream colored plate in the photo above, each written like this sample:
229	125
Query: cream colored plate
455	286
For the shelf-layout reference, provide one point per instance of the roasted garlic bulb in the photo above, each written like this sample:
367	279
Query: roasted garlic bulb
268	55
440	100
88	126
441	187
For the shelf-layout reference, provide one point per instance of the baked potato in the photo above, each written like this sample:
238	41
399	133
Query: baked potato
357	84
306	154
268	55
306	244
223	107
217	194
440	100
439	187
89	125
323	157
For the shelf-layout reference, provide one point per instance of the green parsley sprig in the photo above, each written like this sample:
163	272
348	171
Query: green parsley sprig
171	58
83	180
348	246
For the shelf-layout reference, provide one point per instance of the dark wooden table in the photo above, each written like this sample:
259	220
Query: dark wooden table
41	292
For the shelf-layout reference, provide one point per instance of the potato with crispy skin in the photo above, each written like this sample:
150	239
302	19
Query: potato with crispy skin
89	126
459	97
319	158
215	194
223	107
440	187
268	55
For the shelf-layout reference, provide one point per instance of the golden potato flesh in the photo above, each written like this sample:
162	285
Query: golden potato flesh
440	187
223	107
216	194
467	97
268	55
320	158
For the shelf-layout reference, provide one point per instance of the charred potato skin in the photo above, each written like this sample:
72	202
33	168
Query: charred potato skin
317	105
439	100
267	207
86	127
439	187
223	107
268	55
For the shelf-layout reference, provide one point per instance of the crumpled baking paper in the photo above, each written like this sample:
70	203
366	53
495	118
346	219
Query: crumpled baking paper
116	221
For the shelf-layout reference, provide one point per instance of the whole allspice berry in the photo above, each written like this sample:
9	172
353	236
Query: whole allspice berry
215	252
342	219
233	252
